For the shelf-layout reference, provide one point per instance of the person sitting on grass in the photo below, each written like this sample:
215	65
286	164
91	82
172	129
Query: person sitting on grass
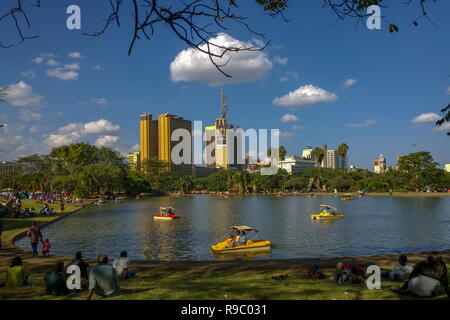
83	268
16	274
103	279
401	270
46	245
426	277
54	282
121	266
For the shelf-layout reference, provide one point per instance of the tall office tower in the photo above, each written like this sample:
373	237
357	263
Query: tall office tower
379	164
221	133
210	144
167	124
134	160
148	134
332	159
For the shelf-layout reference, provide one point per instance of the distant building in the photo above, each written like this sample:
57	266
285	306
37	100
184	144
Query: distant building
7	168
293	164
134	160
155	139
379	164
332	160
224	153
447	167
167	124
307	153
148	135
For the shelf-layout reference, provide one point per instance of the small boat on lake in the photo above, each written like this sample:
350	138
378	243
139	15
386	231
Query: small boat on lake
327	213
237	241
347	196
166	213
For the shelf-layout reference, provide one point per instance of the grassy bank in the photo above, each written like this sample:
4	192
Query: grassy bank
203	284
14	226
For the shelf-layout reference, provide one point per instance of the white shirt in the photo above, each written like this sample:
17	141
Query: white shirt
120	264
401	271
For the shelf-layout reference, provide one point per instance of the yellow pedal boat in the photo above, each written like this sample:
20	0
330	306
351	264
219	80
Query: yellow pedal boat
326	215
235	244
347	197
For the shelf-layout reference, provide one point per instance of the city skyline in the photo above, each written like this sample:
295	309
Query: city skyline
68	90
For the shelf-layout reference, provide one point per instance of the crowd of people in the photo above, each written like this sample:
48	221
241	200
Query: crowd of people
102	280
11	201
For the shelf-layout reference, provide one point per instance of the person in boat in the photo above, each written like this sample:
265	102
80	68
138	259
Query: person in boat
236	240
328	210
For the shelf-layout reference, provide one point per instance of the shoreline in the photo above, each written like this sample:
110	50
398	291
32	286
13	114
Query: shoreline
339	194
41	263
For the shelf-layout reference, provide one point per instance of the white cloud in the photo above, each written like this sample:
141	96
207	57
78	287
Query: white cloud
75	55
29	115
304	96
444	127
14	144
72	66
280	60
97	67
53	62
297	127
60	73
35	129
283	135
74	132
106	141
448	90
289	75
348	83
288	117
243	66
38	60
30	74
99	101
21	95
365	124
426	117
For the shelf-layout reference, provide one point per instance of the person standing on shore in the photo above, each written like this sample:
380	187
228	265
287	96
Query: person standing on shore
34	232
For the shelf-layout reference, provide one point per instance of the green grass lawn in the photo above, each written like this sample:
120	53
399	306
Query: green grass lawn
12	226
256	285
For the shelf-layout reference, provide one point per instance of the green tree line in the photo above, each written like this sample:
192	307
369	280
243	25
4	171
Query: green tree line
86	170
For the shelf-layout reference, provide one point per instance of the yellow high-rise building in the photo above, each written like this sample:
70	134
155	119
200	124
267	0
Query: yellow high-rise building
155	139
148	135
221	143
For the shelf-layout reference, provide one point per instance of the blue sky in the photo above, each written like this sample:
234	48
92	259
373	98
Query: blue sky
368	85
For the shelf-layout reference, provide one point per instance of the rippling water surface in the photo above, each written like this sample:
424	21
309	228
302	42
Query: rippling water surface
371	225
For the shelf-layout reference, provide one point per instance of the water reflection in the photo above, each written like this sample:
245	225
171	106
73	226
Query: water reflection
371	225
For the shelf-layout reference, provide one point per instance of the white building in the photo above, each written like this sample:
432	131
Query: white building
307	153
293	164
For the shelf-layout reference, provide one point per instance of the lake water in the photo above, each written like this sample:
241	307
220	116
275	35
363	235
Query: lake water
371	225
